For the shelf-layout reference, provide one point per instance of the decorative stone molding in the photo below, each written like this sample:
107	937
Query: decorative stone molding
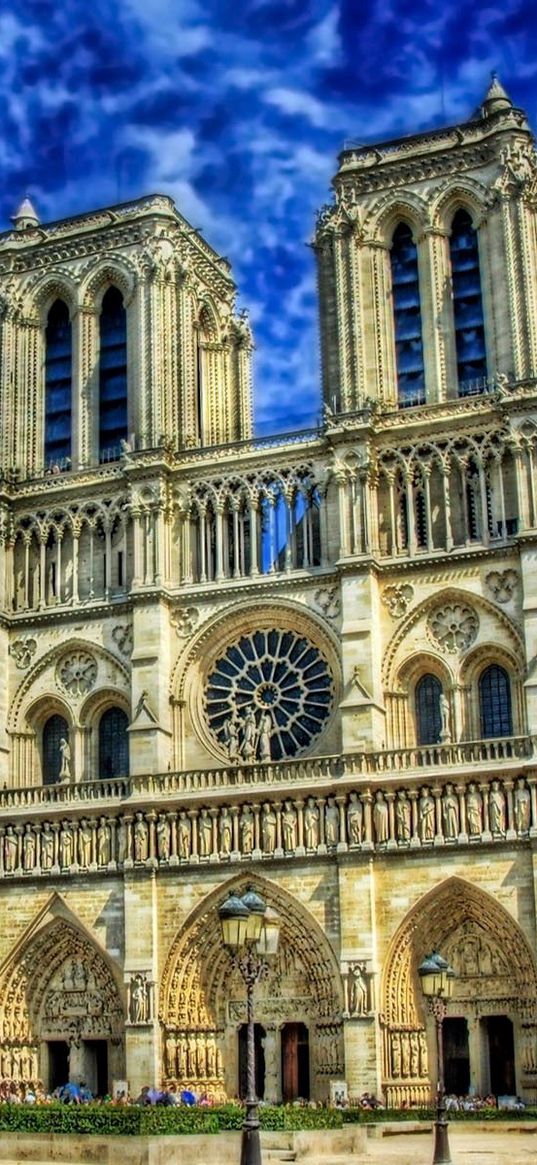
453	627
23	651
122	636
397	598
185	621
327	600
502	584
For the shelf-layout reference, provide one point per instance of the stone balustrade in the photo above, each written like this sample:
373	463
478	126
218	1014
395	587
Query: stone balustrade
415	763
366	818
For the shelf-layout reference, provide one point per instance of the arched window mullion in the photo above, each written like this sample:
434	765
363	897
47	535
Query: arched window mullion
495	710
58	387
113	418
407	318
467	306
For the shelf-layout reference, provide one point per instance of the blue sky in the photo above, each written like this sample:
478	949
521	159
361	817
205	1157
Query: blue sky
238	111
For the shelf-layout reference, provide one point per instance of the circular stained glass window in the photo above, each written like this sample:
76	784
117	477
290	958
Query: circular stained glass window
269	696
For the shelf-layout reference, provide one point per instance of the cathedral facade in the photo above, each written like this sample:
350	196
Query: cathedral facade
306	663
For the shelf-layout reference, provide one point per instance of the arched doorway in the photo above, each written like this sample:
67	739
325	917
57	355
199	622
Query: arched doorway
60	1010
295	1062
203	1003
491	1026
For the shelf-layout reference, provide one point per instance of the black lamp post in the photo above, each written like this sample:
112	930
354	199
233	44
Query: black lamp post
251	931
437	985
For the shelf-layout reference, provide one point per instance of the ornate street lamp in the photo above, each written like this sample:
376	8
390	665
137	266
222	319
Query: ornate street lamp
250	929
437	985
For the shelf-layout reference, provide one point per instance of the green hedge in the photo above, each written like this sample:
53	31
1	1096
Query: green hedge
106	1120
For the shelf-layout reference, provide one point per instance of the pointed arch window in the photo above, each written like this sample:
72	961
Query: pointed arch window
54	730
428	712
407	318
113	419
495	703
113	743
467	305
58	390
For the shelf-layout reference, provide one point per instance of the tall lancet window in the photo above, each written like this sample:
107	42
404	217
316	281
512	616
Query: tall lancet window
407	318
467	305
58	377
112	375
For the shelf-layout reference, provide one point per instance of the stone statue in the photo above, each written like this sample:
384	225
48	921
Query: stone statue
522	807
289	823
424	1059
139	999
47	847
403	825
123	841
380	818
247	830
396	1055
84	843
497	808
265	733
28	848
141	839
450	813
163	837
331	822
355	819
311	824
225	831
104	842
426	816
65	754
231	736
249	736
474	811
414	1055
205	833
11	846
357	989
405	1054
268	828
183	836
445	716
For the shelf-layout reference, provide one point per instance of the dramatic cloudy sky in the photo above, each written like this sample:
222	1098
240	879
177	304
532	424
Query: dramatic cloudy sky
237	108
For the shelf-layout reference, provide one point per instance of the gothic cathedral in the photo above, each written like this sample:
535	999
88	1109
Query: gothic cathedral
305	664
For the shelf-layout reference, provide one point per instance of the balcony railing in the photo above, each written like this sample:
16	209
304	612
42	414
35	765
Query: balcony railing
388	767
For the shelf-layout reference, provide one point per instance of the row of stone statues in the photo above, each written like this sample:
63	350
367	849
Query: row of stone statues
408	1055
419	816
193	1056
18	1062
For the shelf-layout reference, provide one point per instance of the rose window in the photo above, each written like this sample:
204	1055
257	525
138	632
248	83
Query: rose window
453	627
76	673
269	696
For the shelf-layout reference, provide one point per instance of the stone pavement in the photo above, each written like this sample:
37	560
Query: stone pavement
469	1146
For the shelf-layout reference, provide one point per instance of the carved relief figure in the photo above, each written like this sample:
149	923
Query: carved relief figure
311	824
450	813
414	1055
66	845
123	841
474	811
265	732
247	830
225	832
355	819
104	842
28	848
522	807
268	828
249	735
380	818
289	823
424	1059
331	822
183	835
84	843
357	989
497	808
163	837
402	817
47	847
426	816
231	736
205	833
139	999
141	839
396	1054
